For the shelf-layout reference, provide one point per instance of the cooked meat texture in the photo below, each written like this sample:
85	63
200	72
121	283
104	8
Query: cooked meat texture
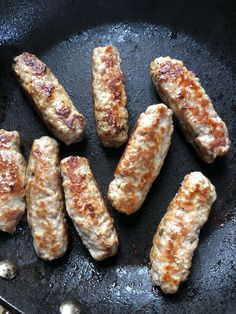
86	208
49	98
181	90
46	211
12	181
109	97
177	234
142	159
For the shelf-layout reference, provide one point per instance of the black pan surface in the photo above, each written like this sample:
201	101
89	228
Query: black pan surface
63	34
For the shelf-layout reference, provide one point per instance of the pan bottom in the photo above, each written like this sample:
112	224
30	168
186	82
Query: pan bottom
122	283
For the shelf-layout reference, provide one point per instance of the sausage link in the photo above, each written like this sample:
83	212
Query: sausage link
109	97
12	181
86	208
49	98
142	159
181	90
46	212
178	232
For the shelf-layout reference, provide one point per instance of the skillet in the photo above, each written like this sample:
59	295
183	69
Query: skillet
63	34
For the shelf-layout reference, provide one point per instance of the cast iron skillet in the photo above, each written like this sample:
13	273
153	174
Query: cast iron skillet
63	34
